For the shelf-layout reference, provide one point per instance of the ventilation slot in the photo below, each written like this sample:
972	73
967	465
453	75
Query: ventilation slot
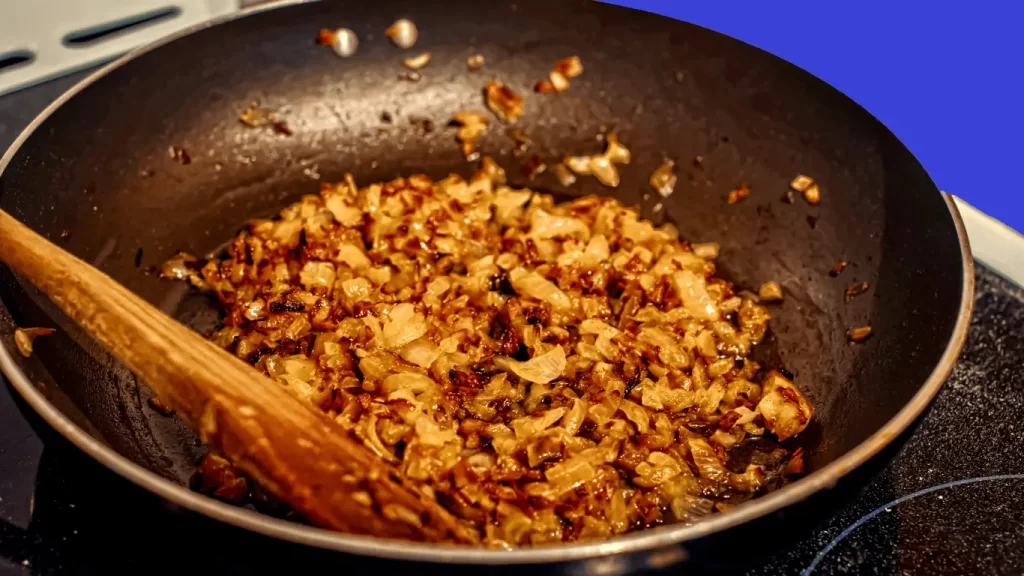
96	34
15	59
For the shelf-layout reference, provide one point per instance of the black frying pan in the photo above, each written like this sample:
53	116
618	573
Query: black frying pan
94	173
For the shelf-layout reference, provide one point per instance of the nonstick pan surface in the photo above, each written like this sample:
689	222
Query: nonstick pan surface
93	173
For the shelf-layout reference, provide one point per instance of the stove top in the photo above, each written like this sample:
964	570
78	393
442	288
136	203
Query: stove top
948	504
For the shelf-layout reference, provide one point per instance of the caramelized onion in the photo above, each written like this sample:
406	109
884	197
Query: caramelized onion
23	338
533	365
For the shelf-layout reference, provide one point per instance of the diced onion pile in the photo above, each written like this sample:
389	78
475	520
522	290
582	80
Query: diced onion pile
549	372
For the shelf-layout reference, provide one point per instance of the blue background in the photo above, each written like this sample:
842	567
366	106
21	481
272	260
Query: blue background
945	78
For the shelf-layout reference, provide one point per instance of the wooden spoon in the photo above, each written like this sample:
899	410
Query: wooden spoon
290	448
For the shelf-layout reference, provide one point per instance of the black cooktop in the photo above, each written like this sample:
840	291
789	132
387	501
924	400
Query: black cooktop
950	503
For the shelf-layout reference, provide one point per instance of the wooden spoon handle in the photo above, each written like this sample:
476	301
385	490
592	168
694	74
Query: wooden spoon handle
290	448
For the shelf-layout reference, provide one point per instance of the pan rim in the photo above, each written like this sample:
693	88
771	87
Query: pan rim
653	539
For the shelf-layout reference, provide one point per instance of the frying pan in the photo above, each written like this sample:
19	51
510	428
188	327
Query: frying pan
93	173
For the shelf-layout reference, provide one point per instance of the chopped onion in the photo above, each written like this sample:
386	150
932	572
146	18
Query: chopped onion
403	33
720	366
288	232
345	215
356	290
430	434
692	290
558	81
505	103
608	349
23	338
417	62
475	62
544	226
603	169
256	117
439	286
709	398
858	334
343	41
597	250
179	267
801	183
470	119
570	474
738	193
543	449
536	286
498	389
838	269
669	350
540	369
508	204
529	426
372	440
706	460
658	469
686	260
663	179
750	480
595	326
544	87
578	164
573	419
471	126
565	177
353	257
659	395
570	67
706	344
404	325
812	194
421	352
481	461
615	152
411	381
492	171
298	373
637	415
770	292
317	275
300	367
786	412
706	250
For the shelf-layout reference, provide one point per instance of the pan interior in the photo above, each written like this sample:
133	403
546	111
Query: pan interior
98	178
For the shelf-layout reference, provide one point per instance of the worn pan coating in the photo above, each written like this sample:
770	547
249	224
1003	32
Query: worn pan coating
93	172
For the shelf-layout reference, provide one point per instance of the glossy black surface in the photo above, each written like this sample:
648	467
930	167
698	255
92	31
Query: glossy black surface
99	170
